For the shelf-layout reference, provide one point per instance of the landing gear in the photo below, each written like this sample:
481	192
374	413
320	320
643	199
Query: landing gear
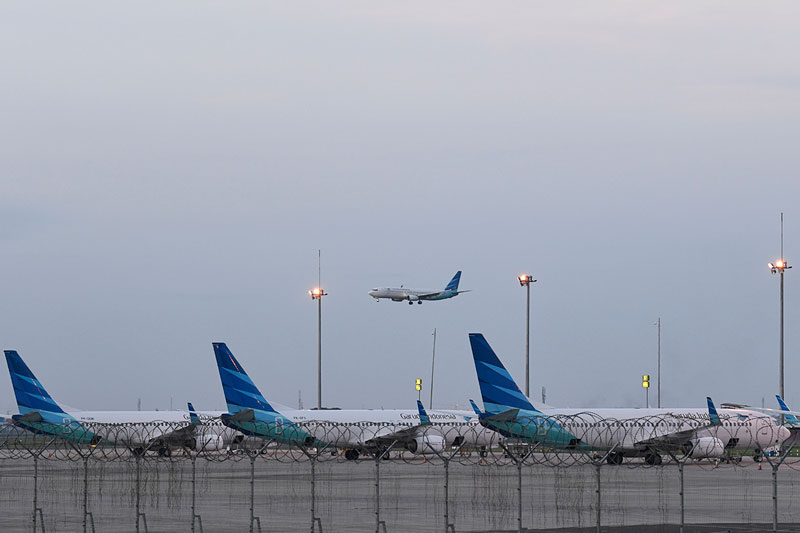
419	302
138	452
410	303
614	458
351	455
652	459
164	452
758	456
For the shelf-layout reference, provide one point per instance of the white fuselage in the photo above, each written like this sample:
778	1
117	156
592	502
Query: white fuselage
412	295
358	428
628	429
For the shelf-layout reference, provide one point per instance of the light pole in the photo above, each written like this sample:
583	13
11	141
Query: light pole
525	280
778	268
316	294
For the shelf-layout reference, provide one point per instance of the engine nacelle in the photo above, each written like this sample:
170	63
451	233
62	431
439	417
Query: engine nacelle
706	447
207	442
426	445
413	298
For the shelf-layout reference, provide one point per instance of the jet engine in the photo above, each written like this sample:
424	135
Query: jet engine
206	442
705	447
426	445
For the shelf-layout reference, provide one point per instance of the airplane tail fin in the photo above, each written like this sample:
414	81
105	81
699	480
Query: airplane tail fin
499	390
193	418
240	391
424	420
453	285
713	416
31	395
791	419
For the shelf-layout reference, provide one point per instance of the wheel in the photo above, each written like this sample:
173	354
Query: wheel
419	302
758	458
652	459
614	458
410	303
164	452
138	452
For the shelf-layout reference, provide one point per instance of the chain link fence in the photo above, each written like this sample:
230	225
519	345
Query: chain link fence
135	478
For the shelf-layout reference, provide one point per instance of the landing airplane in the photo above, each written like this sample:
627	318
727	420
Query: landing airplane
621	432
356	431
160	431
418	295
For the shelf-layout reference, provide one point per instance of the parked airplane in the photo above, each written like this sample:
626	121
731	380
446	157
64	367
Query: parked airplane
357	431
419	295
621	432
141	431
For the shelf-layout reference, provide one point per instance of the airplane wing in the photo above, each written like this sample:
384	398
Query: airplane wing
678	438
387	436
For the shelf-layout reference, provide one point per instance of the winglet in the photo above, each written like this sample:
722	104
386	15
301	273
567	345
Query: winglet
475	408
712	413
791	419
193	418
423	416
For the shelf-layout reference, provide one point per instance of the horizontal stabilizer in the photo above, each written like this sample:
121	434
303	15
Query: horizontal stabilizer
247	415
505	416
32	417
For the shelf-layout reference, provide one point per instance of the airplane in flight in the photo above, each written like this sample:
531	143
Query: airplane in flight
697	433
356	431
418	295
159	431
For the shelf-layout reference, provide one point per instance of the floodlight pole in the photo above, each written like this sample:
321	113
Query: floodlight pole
525	280
779	267
316	294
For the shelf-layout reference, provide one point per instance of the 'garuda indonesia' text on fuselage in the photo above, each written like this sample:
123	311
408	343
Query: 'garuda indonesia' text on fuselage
356	430
418	295
698	432
140	431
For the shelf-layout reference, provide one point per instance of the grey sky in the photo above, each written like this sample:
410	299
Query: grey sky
168	171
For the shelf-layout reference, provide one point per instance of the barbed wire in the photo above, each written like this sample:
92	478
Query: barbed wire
558	441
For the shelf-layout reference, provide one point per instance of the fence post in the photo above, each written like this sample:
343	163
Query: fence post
683	508
775	466
597	470
35	488
195	517
86	513
447	495
253	517
378	457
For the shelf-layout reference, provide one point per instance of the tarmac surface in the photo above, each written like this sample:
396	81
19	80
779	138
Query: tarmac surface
481	498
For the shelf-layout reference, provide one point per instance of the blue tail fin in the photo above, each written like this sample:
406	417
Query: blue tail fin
31	396
193	418
423	415
713	417
499	391
240	391
791	419
475	408
453	285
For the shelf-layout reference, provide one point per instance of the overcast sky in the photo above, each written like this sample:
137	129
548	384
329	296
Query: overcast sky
169	170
